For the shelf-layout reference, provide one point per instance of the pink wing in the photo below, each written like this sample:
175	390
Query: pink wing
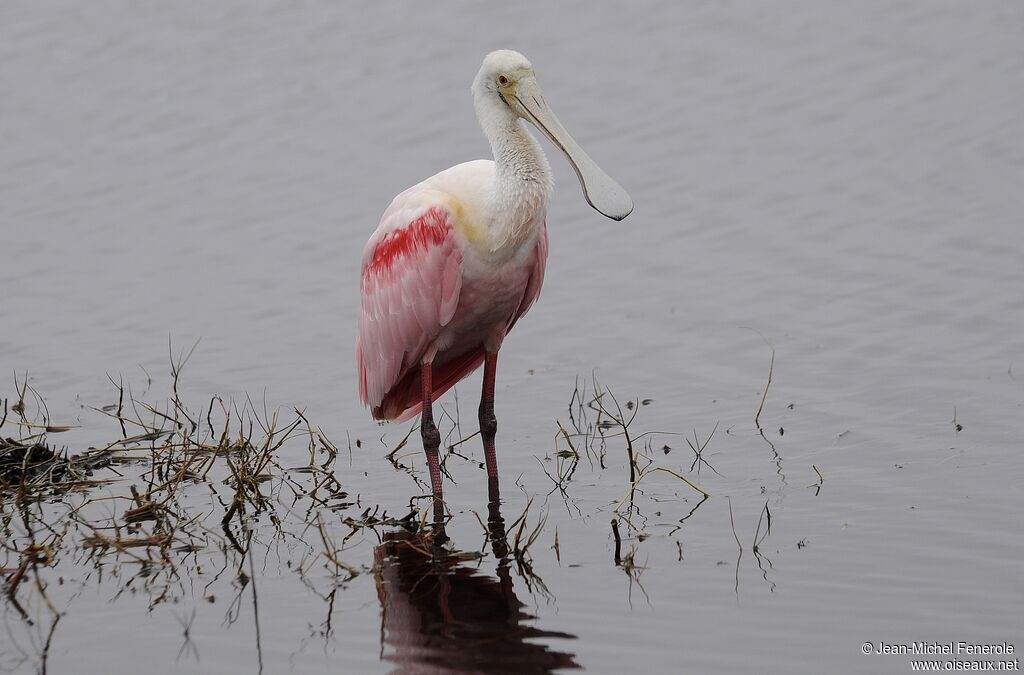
410	284
405	398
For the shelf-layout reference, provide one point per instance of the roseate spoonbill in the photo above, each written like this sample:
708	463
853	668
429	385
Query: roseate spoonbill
458	258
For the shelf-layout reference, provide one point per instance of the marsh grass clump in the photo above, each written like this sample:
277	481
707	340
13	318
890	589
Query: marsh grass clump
29	465
178	495
20	461
194	504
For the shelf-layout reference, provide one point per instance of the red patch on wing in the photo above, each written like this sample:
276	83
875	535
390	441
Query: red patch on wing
428	230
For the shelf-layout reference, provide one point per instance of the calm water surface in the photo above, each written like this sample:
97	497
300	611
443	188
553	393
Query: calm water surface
839	183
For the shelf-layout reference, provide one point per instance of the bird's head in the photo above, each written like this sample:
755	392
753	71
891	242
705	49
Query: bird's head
506	81
501	73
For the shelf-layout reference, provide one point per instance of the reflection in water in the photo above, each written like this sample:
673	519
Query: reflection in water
439	613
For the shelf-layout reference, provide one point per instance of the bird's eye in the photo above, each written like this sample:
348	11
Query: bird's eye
502	80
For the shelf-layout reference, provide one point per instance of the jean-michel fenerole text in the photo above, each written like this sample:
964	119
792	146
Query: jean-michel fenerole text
961	648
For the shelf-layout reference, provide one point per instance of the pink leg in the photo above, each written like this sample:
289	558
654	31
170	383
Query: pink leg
431	439
489	423
496	527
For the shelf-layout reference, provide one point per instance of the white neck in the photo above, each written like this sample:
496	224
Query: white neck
522	176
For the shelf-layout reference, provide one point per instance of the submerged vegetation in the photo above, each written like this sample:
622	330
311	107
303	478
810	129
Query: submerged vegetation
180	497
189	503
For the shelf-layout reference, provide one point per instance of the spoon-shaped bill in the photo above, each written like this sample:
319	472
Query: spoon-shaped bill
601	192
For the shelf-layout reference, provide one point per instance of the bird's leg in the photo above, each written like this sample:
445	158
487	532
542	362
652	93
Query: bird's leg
496	529
489	424
431	439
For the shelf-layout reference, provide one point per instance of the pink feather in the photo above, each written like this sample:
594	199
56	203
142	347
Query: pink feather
411	285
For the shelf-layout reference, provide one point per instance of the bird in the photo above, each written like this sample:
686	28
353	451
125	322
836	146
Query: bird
459	258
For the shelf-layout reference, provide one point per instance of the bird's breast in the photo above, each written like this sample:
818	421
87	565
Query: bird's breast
492	291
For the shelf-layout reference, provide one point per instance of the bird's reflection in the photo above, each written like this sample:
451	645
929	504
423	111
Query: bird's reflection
439	614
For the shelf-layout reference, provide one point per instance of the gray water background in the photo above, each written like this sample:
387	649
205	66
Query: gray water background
841	180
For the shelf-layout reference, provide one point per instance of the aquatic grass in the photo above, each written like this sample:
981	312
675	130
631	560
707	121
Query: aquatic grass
183	498
777	458
821	481
132	500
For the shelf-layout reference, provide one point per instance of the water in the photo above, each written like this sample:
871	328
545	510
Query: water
841	183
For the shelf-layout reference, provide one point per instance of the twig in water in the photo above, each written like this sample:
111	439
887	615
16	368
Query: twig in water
757	415
647	472
698	450
331	552
401	444
758	539
821	481
768	530
739	557
771	368
618	543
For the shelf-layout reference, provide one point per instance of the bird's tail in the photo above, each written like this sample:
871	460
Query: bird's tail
405	400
